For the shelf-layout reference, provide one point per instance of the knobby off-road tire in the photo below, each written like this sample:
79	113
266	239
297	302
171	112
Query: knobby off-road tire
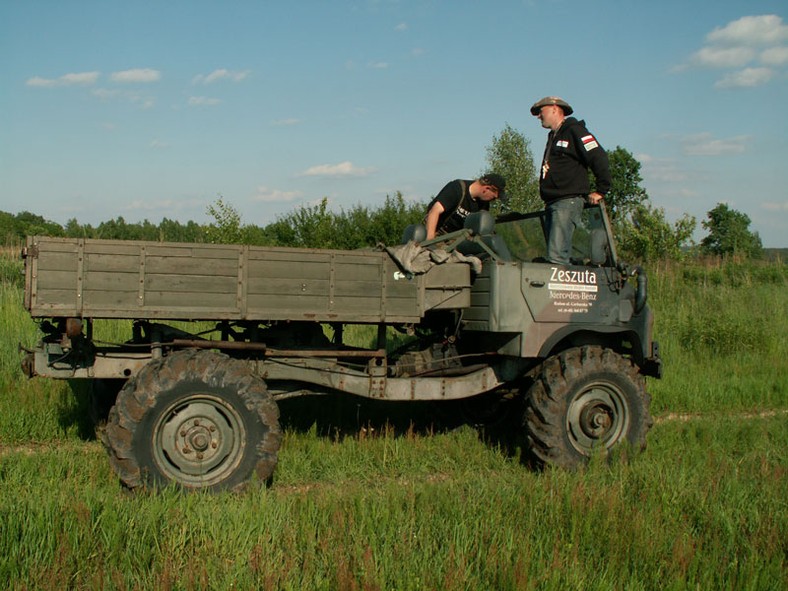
584	401
198	419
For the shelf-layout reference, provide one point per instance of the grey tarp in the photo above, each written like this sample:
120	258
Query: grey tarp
413	258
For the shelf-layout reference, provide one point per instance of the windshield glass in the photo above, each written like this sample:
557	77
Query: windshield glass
524	235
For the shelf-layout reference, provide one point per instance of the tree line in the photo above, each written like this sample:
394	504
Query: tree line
642	231
307	226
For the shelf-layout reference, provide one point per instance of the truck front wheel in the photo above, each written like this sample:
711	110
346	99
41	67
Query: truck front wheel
583	401
198	419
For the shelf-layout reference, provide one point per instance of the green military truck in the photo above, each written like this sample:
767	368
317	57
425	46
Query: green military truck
484	319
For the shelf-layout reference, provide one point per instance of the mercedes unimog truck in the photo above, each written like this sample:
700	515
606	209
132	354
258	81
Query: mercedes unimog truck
483	316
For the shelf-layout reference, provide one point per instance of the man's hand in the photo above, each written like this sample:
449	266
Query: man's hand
595	198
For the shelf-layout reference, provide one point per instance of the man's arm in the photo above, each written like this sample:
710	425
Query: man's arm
596	159
448	199
432	219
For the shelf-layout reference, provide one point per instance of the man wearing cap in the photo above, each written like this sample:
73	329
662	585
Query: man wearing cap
448	210
571	151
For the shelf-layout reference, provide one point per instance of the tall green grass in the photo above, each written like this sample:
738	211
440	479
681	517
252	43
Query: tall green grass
722	331
704	507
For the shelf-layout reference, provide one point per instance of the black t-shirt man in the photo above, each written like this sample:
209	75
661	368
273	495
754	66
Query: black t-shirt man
459	198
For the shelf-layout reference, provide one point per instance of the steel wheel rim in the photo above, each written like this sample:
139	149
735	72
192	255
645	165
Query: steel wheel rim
199	441
597	418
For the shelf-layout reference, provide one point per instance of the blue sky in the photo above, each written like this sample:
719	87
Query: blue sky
147	109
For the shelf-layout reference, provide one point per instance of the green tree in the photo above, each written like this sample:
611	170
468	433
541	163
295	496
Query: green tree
510	155
648	236
30	224
226	228
116	229
385	224
729	234
626	192
309	226
74	229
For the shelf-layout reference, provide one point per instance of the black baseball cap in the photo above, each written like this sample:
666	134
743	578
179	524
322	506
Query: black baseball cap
495	180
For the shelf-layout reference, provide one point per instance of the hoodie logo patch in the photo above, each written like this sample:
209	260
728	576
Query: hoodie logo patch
589	142
562	143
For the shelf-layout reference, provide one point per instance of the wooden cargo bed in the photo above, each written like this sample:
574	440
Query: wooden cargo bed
67	277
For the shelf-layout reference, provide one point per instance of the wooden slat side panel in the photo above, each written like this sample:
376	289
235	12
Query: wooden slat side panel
261	270
345	288
288	255
100	281
57	261
185	301
360	305
56	276
193	286
163	249
191	265
201	251
275	306
100	302
126	279
51	245
51	299
288	287
52	279
363	271
119	248
106	263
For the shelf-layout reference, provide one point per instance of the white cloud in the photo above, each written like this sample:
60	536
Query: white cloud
662	170
139	100
733	47
751	30
39	82
156	205
286	122
75	79
104	93
203	101
343	169
144	75
746	78
143	102
80	78
704	144
774	205
722	57
401	27
775	56
157	144
275	195
221	74
378	65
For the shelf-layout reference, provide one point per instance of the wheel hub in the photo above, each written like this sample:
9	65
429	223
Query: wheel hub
199	438
597	417
595	420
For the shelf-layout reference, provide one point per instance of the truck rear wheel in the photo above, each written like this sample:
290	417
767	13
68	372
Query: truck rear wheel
583	401
198	419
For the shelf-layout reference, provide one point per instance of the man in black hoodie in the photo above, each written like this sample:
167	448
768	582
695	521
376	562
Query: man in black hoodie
563	181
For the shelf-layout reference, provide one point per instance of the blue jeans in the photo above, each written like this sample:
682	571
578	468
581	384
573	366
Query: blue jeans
563	216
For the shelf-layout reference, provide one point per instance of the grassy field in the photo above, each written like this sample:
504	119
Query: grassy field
376	507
